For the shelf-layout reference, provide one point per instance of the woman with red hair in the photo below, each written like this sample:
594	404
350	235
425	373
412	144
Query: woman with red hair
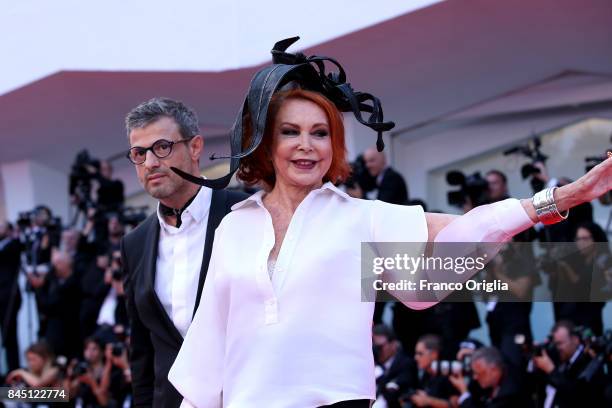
281	323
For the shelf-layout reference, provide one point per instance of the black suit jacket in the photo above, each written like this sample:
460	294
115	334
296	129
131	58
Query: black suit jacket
403	372
392	188
155	341
510	395
10	260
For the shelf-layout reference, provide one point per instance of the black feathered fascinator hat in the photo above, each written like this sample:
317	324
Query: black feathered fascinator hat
308	73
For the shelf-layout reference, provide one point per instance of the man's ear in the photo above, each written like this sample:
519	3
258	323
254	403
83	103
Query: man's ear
196	147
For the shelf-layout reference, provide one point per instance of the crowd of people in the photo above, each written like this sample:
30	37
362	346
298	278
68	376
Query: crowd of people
74	274
424	358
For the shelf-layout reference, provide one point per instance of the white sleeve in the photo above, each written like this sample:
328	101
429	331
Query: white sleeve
186	404
497	222
483	232
403	230
197	372
492	223
398	223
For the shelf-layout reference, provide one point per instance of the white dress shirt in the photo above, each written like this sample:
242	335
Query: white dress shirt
302	338
179	260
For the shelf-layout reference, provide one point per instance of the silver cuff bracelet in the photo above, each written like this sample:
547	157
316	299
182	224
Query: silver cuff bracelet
545	207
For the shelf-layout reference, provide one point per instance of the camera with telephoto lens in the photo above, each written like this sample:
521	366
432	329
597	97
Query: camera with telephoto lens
532	151
473	187
452	367
535	349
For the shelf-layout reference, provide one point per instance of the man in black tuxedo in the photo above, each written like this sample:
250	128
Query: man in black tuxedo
390	185
565	384
497	385
166	257
395	371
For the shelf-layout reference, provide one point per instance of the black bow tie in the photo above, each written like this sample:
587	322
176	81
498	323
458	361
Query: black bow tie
175	212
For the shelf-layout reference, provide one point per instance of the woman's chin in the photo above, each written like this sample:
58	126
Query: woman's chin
305	181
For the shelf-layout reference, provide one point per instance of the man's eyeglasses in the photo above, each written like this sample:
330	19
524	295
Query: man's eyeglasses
161	148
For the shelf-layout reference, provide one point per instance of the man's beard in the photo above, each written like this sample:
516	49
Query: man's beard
171	187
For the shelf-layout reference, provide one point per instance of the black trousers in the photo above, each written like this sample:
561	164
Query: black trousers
8	322
349	404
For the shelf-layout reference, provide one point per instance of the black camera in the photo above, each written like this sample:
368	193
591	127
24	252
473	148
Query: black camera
473	187
117	275
360	176
535	349
118	348
532	151
80	369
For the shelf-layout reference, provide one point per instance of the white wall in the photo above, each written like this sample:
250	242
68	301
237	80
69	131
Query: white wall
419	156
566	149
28	184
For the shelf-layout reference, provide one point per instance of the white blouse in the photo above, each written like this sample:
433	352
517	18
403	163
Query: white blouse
301	338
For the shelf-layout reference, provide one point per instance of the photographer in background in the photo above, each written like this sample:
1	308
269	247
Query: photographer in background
564	387
117	377
582	279
395	371
432	390
38	232
110	191
40	372
113	311
498	388
88	380
58	297
10	295
390	185
498	185
94	288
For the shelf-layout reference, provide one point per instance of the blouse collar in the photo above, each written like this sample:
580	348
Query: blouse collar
257	198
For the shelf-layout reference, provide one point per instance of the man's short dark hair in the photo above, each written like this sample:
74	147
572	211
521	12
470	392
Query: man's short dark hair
490	355
500	174
154	109
384	330
570	326
432	342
